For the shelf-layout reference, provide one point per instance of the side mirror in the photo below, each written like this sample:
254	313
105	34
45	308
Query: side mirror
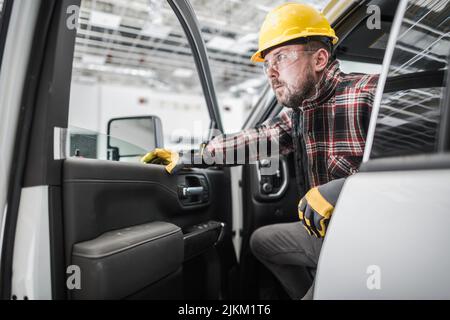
132	137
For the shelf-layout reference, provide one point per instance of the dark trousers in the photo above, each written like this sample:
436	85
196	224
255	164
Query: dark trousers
287	249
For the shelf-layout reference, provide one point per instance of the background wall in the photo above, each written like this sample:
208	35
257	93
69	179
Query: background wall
92	105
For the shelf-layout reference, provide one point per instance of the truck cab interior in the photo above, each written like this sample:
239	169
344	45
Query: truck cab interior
135	231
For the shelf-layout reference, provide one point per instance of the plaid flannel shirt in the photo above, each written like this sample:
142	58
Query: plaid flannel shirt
333	123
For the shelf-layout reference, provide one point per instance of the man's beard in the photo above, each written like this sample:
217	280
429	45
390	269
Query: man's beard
295	96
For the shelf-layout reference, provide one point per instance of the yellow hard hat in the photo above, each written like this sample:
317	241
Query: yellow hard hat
292	21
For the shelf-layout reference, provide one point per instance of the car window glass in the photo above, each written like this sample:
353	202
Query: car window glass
132	58
409	117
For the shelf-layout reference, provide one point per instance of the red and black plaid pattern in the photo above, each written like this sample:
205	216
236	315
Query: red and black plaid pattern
334	124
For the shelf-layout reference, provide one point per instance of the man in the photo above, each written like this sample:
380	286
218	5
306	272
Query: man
325	125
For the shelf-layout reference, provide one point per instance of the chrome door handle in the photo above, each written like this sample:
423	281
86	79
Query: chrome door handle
192	191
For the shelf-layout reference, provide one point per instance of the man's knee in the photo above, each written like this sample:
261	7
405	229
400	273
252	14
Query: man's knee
261	242
255	241
286	242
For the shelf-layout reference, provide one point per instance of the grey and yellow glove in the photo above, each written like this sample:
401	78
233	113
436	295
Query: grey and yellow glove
175	161
317	206
166	157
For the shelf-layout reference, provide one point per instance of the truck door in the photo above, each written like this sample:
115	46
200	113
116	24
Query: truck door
92	228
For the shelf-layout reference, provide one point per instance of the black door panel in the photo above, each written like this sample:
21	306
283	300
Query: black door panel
261	211
104	196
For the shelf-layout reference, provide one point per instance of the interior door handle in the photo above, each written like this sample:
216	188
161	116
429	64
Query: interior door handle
192	191
267	191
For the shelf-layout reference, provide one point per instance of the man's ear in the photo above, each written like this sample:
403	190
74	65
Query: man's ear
321	58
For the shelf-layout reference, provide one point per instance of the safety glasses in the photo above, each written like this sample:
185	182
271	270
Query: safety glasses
283	60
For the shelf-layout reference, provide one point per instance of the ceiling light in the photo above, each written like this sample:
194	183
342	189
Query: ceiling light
220	43
155	31
183	73
87	79
392	121
241	46
251	37
93	59
105	20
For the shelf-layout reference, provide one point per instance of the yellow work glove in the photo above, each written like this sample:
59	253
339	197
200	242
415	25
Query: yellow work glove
317	206
166	157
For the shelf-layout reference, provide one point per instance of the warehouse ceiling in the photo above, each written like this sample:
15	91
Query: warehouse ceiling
140	42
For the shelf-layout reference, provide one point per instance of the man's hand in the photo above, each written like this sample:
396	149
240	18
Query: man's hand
317	206
166	157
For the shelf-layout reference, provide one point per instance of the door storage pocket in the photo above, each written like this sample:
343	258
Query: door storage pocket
119	263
